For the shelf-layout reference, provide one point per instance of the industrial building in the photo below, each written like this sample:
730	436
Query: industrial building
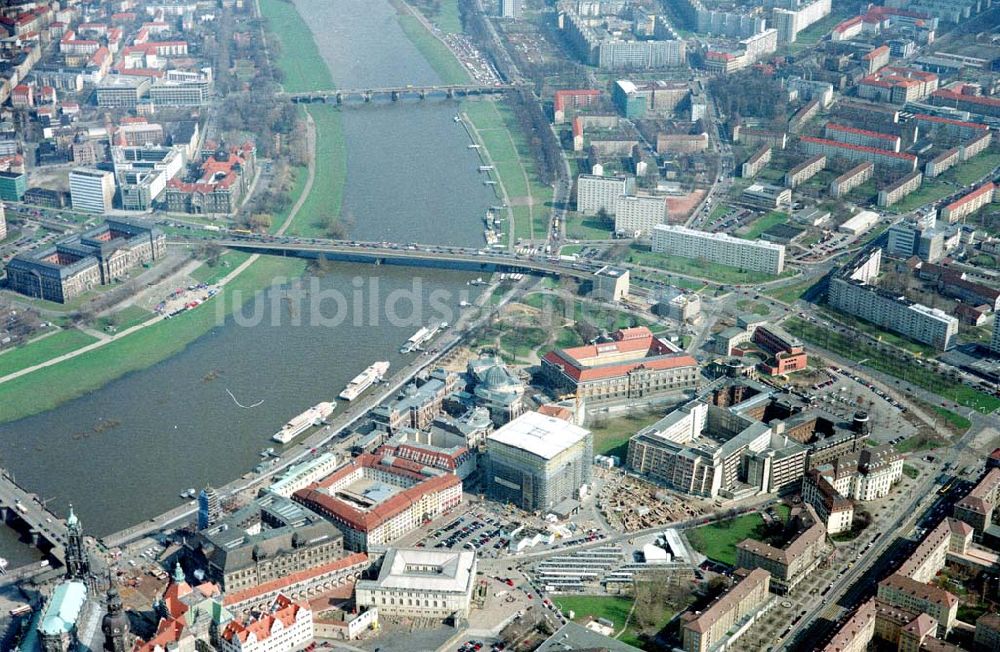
536	462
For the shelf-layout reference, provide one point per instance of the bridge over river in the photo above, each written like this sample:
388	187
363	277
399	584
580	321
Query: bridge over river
396	93
23	511
474	260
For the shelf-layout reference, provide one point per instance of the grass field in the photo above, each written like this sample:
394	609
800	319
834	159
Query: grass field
931	191
911	472
956	421
611	435
974	169
920	442
299	54
227	262
882	335
443	13
586	227
612	607
125	318
858	350
763	223
513	164
717	541
51	386
327	191
699	268
43	349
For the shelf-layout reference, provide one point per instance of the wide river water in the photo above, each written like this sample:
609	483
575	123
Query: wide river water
410	178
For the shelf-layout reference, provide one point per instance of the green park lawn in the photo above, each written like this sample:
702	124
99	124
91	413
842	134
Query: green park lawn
717	541
226	263
444	63
299	57
47	388
611	435
763	223
40	350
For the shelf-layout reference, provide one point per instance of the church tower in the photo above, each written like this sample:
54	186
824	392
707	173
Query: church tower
77	562
115	623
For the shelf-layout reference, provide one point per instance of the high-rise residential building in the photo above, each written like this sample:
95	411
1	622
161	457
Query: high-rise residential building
790	18
92	190
537	461
853	290
511	8
635	215
209	508
752	255
13	185
594	192
995	341
3	222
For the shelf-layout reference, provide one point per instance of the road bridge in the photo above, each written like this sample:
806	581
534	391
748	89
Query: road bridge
23	510
472	260
396	93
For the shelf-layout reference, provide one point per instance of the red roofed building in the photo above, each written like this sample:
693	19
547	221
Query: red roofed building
876	59
863	137
847	29
959	98
978	508
860	153
286	626
634	365
968	204
375	499
898	85
575	99
22	97
301	585
225	178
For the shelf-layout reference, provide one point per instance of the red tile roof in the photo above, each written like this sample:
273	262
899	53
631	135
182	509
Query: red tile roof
859	148
263	627
861	132
981	190
237	597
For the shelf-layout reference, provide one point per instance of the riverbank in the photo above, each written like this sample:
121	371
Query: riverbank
51	386
437	54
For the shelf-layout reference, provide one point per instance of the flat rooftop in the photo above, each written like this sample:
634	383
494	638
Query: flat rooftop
540	435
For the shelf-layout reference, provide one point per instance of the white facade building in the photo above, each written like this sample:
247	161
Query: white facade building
91	190
594	192
753	255
421	583
639	214
285	626
301	475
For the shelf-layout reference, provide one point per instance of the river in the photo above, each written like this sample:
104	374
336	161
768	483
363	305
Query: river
123	453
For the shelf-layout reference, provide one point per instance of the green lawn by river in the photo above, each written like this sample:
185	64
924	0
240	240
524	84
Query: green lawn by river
299	58
47	388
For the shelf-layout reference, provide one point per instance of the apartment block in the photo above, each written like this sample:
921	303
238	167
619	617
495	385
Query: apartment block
896	191
851	179
745	136
805	170
959	127
757	162
864	137
966	99
595	193
572	100
968	204
901	591
851	290
896	85
754	255
797	17
882	157
976	145
705	631
636	99
790	564
978	508
876	59
942	163
639	214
